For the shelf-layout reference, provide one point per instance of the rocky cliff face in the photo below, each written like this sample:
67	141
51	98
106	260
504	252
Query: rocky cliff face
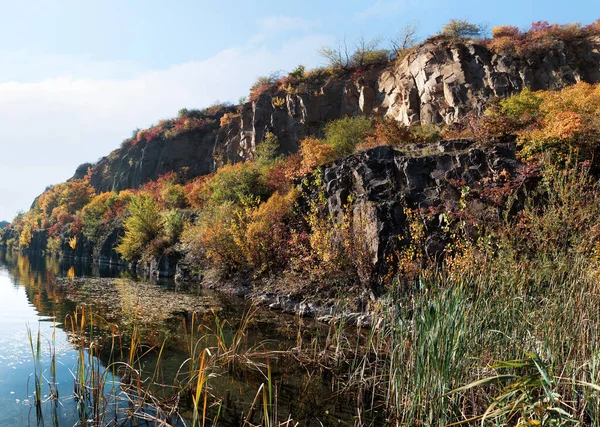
442	81
131	166
439	82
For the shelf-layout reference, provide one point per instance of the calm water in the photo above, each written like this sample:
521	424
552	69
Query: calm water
32	296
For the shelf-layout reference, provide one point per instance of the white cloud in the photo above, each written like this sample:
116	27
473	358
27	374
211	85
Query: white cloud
49	127
24	66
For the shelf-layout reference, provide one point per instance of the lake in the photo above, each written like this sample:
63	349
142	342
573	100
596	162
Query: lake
98	314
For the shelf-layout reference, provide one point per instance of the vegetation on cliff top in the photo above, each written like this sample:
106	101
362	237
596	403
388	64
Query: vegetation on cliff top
351	60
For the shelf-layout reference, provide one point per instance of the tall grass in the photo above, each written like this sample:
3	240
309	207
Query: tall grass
455	332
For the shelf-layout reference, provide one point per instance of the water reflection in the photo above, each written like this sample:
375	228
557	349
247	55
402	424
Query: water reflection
45	292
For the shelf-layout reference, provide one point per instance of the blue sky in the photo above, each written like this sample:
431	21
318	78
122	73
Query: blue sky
76	77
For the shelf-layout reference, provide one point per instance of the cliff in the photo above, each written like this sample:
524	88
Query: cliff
438	82
370	193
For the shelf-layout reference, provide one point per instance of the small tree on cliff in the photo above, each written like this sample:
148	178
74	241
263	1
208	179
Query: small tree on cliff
405	39
461	29
365	52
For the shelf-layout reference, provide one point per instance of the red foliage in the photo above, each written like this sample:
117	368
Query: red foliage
54	230
281	176
152	133
77	225
154	188
539	26
259	91
593	28
184	124
388	131
356	74
539	37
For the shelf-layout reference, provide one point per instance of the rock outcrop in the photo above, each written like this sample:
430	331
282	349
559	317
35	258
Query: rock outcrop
440	81
383	183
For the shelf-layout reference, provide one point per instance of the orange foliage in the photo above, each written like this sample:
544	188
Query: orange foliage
505	31
388	131
196	192
227	118
266	241
314	153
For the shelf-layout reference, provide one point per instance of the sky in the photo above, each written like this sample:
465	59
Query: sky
76	77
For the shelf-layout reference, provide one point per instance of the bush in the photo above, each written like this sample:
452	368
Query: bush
212	240
550	125
142	226
266	241
281	175
541	36
98	217
345	134
505	31
265	152
593	28
236	183
263	84
365	52
568	124
172	225
523	106
173	196
314	153
298	72
388	131
93	215
196	192
227	118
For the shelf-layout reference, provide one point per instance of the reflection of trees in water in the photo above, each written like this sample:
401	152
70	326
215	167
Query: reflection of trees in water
112	320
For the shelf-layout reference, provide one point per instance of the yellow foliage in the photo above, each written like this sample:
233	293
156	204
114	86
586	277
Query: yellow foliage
25	237
227	118
212	239
278	102
265	237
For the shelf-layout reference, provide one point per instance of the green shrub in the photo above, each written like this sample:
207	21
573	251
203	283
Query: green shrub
298	72
345	134
173	196
266	151
172	225
236	183
526	103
